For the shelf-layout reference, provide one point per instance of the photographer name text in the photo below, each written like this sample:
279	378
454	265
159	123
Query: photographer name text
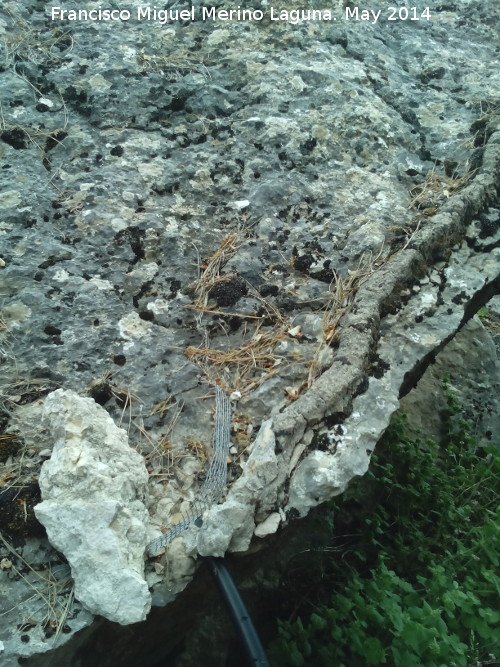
209	13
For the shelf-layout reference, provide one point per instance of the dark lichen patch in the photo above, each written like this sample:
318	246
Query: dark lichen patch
117	151
17	516
378	366
325	275
55	259
390	306
362	388
51	627
119	359
430	74
175	286
147	315
303	263
229	291
321	442
15	137
278	449
234	322
335	418
460	298
100	390
54	139
50	330
10	445
489	223
269	290
135	238
482	129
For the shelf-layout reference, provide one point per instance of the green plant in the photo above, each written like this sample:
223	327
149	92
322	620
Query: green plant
420	584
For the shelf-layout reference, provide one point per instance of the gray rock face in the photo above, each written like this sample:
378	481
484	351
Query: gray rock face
93	489
305	213
230	526
470	367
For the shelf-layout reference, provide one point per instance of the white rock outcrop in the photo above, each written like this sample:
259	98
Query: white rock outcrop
230	526
92	506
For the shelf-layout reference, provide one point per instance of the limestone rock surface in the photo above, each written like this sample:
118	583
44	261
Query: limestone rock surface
471	355
306	213
230	526
93	487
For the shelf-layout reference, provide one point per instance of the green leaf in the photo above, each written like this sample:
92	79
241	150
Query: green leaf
318	622
296	658
374	652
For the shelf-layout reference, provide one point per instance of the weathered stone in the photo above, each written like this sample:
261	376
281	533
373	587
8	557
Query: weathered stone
468	367
93	488
39	594
345	173
269	526
229	527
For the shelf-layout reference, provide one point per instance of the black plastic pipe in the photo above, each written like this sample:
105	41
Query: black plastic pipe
238	612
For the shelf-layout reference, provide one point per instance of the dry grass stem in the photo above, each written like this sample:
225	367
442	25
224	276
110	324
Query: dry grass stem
56	594
26	44
342	292
173	64
211	270
161	456
428	196
256	353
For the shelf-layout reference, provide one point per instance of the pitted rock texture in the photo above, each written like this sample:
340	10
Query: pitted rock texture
26	593
471	354
93	488
303	213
